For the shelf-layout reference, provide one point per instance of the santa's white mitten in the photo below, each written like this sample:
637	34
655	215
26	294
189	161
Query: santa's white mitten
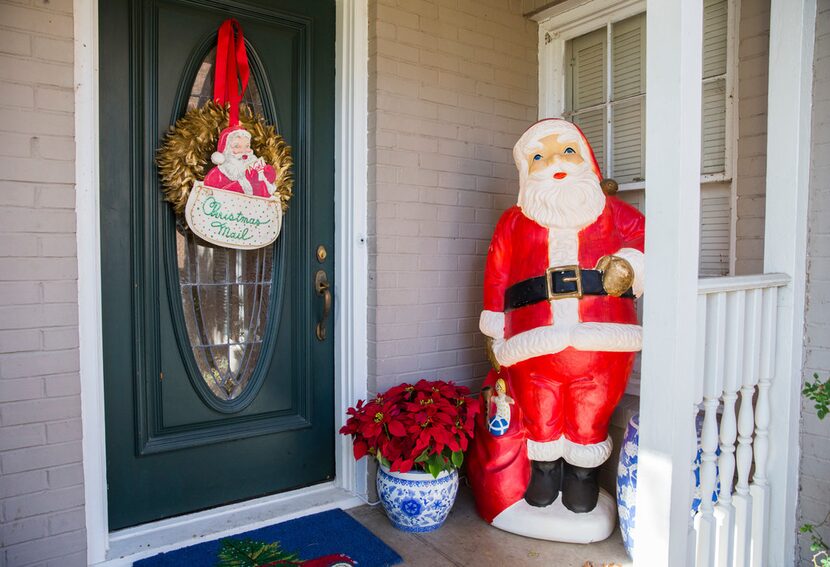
491	324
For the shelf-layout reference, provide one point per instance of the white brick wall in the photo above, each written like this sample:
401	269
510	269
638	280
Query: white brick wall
753	56
41	477
814	492
453	84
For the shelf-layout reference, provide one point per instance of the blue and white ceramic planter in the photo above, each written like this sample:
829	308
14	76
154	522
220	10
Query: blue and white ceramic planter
415	501
627	480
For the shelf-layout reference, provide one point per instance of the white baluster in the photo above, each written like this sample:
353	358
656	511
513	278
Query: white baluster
712	388
700	357
724	511
746	423
760	487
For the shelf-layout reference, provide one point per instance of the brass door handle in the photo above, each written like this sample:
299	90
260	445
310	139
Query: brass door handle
323	288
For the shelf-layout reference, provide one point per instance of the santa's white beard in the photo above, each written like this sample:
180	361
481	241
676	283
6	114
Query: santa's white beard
573	202
234	169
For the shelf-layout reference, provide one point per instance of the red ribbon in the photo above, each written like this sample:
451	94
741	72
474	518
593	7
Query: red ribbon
231	71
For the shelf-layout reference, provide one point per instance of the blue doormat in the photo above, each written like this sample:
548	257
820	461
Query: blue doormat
327	539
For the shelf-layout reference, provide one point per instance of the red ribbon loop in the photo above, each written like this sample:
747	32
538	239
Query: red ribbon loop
231	71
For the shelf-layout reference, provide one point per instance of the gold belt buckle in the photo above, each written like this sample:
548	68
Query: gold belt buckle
577	278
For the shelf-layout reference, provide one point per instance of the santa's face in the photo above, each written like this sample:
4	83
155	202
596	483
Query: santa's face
551	152
238	157
561	189
241	147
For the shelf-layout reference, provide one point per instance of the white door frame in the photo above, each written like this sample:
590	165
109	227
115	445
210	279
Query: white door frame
351	264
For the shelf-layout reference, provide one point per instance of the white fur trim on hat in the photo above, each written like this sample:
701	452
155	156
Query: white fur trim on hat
491	324
638	262
217	158
236	133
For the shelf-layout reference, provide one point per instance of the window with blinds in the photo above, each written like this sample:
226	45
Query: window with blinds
605	93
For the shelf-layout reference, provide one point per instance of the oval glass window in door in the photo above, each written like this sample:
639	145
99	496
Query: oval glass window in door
226	293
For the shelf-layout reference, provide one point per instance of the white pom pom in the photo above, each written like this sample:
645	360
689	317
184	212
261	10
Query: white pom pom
218	158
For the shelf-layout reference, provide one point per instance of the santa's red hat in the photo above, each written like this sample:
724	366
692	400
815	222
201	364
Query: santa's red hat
532	137
218	157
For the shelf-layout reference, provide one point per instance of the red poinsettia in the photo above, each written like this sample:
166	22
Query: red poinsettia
425	426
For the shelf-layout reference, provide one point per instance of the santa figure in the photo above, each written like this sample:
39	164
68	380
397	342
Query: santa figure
237	168
563	271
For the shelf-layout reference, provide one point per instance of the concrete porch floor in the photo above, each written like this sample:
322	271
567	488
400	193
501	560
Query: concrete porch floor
466	540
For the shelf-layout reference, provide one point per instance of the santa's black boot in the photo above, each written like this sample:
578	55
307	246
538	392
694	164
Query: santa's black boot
545	480
580	488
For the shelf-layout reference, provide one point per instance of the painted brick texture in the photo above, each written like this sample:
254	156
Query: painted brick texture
452	85
41	474
814	489
753	67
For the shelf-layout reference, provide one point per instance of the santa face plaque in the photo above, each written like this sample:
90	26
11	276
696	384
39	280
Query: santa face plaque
231	219
237	205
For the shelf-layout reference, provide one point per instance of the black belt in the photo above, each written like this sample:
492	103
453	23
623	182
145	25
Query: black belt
557	283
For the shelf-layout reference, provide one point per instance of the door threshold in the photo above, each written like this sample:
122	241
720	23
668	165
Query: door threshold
131	544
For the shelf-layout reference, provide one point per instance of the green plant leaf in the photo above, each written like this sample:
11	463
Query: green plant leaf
250	553
819	392
457	459
423	457
435	464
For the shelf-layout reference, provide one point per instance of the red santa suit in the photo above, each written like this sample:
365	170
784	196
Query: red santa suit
258	185
565	360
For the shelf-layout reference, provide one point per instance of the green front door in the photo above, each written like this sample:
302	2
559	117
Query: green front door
217	386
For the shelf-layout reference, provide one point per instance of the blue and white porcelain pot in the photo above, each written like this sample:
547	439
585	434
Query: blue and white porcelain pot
627	480
415	501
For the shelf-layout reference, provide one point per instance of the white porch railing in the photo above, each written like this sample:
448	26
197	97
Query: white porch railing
675	376
672	385
735	358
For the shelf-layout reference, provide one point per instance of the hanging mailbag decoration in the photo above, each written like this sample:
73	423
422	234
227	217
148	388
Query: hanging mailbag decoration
238	203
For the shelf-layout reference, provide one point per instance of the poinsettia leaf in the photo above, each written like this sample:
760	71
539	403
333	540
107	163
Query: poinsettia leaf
360	449
405	465
397	429
457	459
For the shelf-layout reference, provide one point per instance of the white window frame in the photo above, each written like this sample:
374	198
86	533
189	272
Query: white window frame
574	18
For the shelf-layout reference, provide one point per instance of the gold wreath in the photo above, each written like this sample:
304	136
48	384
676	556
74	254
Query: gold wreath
184	155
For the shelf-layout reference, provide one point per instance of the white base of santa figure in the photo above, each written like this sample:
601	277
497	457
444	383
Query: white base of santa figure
557	523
